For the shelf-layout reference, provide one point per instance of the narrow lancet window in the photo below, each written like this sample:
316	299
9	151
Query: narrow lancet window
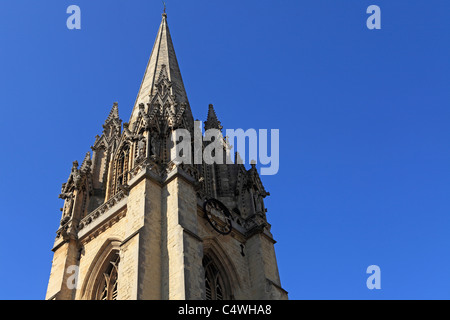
214	282
108	285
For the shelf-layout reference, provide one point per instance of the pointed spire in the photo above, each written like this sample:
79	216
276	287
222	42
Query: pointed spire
113	114
86	165
74	166
212	122
113	123
162	57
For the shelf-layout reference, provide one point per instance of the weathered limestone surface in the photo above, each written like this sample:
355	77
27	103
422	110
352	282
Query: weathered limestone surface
137	225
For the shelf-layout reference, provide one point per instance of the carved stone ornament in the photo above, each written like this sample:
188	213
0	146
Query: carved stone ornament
155	145
218	216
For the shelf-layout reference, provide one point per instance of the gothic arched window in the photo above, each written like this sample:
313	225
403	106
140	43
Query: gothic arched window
214	281
120	169
107	286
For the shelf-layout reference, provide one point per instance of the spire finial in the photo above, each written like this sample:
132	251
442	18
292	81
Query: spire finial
164	4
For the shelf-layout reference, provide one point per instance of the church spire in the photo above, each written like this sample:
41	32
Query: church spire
162	62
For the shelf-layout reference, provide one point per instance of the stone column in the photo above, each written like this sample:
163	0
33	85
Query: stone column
142	245
183	274
265	279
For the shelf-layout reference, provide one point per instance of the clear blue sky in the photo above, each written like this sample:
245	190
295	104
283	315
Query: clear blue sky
364	119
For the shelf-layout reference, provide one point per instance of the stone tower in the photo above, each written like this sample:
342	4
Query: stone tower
138	225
